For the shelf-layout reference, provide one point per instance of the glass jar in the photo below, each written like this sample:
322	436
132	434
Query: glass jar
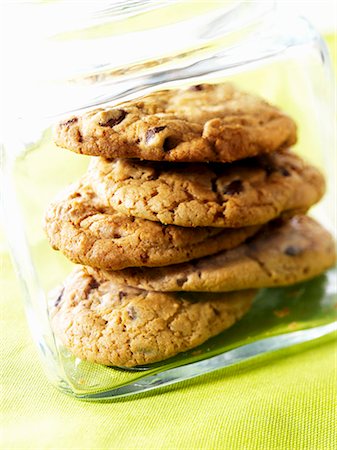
73	60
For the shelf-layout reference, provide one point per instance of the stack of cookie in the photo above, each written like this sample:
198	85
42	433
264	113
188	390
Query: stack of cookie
192	190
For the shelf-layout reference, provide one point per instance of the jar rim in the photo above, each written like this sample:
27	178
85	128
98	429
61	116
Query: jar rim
61	74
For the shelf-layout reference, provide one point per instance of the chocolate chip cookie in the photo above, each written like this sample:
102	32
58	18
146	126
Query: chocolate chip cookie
89	232
104	323
249	192
207	122
283	253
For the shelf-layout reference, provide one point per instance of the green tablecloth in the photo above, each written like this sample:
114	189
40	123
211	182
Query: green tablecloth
285	401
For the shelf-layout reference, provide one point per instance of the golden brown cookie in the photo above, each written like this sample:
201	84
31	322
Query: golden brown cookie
89	232
283	253
245	193
102	322
208	122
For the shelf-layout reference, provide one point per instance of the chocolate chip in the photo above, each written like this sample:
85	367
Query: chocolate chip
197	87
219	197
69	122
170	143
144	257
181	281
90	286
292	250
93	284
115	120
59	298
152	132
234	187
132	313
121	294
158	129
285	172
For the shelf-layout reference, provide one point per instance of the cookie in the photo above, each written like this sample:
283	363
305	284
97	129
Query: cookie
245	193
104	323
281	254
202	123
89	232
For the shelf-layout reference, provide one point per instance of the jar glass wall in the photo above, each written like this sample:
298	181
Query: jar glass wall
126	50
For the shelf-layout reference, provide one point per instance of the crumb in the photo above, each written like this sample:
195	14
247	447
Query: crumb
280	313
196	352
293	326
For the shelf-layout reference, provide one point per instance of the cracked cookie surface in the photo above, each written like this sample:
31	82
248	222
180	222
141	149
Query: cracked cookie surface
202	123
245	193
109	324
89	232
283	253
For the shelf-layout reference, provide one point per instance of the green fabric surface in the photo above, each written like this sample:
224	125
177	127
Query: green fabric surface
283	401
